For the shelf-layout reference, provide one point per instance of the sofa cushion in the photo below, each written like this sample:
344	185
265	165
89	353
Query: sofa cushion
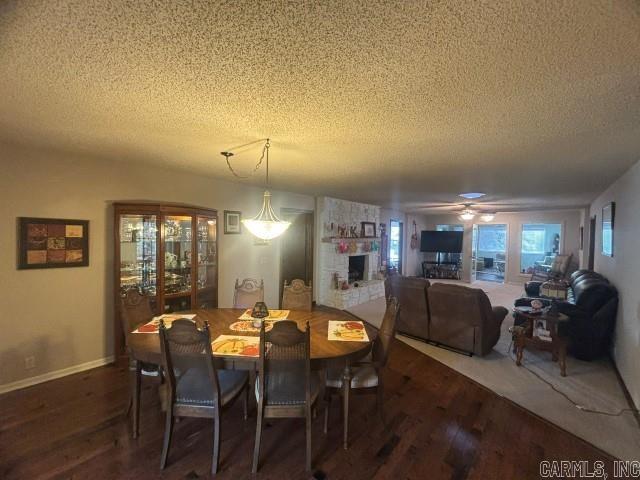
411	293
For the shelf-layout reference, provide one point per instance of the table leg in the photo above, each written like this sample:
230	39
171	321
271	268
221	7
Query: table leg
346	387
563	358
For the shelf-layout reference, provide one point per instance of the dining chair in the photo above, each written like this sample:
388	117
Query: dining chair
297	296
285	387
365	375
197	388
135	310
248	292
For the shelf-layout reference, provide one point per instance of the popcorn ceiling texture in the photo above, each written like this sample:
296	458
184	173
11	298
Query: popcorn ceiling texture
392	103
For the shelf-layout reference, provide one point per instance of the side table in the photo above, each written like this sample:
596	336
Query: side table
527	338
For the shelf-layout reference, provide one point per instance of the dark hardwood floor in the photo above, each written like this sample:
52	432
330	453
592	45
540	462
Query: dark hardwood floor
440	425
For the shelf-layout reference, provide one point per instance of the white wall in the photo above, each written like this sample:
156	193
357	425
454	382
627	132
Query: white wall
623	270
64	317
570	220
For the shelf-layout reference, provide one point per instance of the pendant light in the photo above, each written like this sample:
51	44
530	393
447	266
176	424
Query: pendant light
488	217
266	225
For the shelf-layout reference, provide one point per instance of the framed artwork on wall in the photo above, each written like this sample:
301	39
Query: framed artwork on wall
368	229
52	243
608	221
232	224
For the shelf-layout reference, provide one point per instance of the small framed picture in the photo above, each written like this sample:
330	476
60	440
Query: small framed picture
232	224
368	229
52	243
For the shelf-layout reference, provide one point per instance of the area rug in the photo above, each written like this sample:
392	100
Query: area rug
587	386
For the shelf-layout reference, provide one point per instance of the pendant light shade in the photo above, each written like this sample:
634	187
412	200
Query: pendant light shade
266	225
487	217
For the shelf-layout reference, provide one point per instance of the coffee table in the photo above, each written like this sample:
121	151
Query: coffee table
526	337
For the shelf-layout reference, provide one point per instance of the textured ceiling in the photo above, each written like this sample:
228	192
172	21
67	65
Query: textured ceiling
405	104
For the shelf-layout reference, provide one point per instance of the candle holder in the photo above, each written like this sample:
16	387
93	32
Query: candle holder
259	312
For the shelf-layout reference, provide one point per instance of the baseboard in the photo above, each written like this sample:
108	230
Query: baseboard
635	409
45	377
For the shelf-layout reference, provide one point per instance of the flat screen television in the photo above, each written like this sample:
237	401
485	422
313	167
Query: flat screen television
442	242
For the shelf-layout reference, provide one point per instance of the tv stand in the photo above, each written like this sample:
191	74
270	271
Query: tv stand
443	270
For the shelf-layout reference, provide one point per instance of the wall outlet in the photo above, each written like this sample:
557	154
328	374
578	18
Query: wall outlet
29	362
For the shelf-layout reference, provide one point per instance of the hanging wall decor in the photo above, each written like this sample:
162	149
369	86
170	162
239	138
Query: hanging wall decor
52	243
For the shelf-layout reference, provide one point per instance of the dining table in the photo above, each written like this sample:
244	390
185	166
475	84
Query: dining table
145	347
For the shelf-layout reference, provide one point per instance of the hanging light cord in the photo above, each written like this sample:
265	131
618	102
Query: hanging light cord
265	152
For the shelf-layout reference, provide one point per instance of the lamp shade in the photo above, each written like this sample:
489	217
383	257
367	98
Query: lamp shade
266	225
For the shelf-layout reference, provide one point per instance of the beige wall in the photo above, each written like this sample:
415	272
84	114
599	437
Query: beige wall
623	270
63	317
570	220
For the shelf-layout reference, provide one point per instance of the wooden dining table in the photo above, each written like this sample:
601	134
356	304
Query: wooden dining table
145	347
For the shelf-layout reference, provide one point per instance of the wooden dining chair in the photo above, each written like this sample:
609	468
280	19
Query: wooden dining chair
285	387
297	296
248	292
366	375
135	310
196	387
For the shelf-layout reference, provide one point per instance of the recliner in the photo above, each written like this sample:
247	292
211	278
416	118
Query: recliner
592	305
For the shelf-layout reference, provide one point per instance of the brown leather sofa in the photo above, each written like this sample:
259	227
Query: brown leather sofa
462	318
411	293
450	315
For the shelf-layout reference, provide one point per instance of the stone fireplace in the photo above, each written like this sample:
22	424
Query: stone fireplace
358	265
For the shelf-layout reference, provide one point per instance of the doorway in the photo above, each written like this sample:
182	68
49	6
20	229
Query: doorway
396	243
296	252
489	252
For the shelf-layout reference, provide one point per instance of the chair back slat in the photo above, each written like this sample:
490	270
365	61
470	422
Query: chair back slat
297	296
285	350
387	332
187	349
248	292
135	310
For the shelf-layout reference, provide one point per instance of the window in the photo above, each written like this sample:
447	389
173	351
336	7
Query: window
540	244
395	245
450	228
492	238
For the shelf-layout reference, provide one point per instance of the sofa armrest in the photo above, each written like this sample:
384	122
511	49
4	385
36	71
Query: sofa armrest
499	314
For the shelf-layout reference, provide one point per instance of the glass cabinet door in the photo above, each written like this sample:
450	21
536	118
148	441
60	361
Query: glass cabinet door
177	263
207	263
138	247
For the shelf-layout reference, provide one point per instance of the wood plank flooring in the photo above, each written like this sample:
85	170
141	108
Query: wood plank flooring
440	424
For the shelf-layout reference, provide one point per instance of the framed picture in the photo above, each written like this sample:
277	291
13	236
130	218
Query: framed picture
608	221
52	243
232	224
368	229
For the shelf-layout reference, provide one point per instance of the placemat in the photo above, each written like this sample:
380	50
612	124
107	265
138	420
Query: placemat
274	315
154	325
347	331
236	346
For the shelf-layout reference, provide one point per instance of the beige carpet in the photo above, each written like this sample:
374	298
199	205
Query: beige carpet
592	385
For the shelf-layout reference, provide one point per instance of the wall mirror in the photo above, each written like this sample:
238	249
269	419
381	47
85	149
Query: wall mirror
608	218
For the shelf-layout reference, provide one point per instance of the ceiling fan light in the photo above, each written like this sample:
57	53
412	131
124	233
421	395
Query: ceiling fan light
487	217
467	215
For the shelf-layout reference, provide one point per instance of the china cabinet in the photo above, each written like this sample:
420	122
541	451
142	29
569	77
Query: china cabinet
168	252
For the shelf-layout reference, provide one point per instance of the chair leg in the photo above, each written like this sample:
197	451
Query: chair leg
327	406
216	444
256	448
168	430
308	438
245	402
136	387
346	386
